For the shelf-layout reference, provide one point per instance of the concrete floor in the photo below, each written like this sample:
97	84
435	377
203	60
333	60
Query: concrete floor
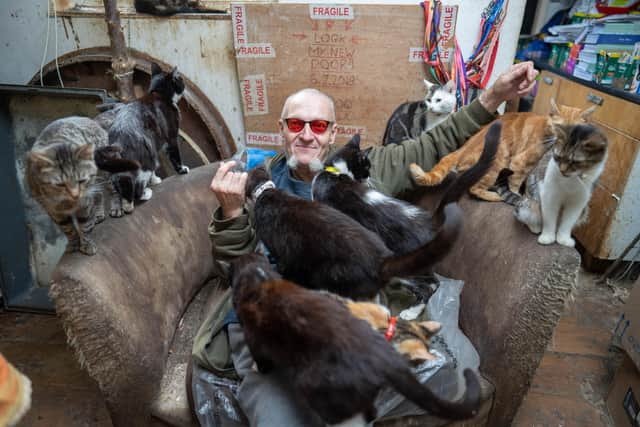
569	388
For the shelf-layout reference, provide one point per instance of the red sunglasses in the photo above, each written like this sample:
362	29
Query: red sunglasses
317	126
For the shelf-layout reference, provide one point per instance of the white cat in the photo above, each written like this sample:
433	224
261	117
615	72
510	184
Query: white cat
440	102
410	119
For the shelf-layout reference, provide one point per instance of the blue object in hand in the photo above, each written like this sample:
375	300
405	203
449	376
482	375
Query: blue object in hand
257	156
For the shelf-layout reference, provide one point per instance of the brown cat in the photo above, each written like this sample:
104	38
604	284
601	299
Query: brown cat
409	337
525	138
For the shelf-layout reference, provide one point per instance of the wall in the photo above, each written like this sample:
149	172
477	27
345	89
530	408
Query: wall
202	46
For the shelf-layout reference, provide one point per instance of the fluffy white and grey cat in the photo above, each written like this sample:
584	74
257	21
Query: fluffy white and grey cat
410	119
559	189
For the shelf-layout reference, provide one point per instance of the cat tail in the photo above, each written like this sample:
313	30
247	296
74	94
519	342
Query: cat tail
465	181
502	188
404	382
421	260
108	159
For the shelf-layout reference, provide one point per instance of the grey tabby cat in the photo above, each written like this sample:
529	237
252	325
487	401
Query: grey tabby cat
558	190
61	174
410	119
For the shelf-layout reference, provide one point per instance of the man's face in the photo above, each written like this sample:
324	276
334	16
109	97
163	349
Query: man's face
306	145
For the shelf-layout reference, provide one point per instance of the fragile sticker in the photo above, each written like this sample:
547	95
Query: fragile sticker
350	130
254	95
263	138
239	16
416	54
255	50
330	11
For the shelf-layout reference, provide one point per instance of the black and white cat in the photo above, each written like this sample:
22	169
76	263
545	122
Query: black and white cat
334	361
402	226
139	130
410	119
320	247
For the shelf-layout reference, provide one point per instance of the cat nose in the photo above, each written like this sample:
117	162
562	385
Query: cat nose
74	192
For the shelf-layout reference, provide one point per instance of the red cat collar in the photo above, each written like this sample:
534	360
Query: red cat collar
391	329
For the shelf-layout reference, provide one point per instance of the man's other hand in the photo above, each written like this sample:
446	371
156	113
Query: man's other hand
517	81
229	188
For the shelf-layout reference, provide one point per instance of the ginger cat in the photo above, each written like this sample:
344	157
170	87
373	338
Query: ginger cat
525	138
409	337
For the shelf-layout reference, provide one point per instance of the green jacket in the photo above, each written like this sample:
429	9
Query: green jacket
389	174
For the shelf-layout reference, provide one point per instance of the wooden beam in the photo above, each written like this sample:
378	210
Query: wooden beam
121	64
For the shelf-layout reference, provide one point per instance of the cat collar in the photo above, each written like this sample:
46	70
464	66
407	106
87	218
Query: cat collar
391	329
332	170
264	186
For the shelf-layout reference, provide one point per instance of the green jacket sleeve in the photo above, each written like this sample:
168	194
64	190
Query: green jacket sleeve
390	164
231	237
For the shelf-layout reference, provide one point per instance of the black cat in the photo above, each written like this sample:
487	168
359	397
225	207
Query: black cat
335	361
139	129
402	226
166	7
320	247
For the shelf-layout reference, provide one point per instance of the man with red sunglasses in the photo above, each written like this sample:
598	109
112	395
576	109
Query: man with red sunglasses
308	127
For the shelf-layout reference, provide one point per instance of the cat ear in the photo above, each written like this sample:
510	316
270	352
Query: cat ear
355	140
155	69
428	84
84	152
584	115
554	111
40	159
450	86
174	71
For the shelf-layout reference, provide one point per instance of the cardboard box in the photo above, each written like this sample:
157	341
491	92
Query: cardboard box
627	332
623	401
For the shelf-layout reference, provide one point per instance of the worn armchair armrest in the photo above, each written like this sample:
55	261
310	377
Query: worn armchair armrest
120	308
514	294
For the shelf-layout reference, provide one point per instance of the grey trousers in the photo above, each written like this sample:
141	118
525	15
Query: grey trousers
266	399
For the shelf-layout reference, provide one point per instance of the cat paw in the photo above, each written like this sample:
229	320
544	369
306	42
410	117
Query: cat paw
146	194
116	212
99	218
566	241
88	247
155	180
535	229
183	170
127	206
546	239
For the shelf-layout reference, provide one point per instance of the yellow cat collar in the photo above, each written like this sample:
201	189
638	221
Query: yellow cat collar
332	170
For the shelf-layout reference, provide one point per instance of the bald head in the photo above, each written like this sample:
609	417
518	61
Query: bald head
309	95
